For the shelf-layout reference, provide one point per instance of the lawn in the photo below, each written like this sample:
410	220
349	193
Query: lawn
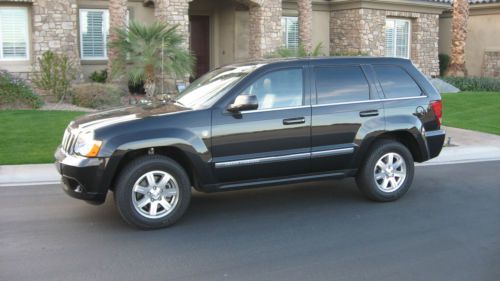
31	136
479	111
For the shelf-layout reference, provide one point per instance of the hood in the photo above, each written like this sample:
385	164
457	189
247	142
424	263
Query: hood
101	119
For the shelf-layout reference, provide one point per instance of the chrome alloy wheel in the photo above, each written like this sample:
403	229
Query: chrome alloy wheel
390	172
155	194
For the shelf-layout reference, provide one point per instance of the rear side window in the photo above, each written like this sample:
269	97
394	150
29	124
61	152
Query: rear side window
395	82
341	84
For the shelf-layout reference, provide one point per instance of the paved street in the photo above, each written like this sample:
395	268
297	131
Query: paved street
446	228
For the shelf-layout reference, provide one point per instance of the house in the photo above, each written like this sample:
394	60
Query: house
221	32
482	49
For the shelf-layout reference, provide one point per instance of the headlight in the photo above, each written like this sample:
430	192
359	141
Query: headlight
86	145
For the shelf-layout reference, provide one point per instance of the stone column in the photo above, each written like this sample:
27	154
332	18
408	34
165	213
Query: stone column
175	12
265	27
55	28
305	24
117	19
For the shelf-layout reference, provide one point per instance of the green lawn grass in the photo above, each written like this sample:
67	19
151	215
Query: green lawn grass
31	136
478	111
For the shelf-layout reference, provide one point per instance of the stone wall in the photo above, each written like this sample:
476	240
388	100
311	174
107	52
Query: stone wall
265	27
491	63
363	30
55	28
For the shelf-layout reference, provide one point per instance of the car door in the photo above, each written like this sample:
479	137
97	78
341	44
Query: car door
272	141
346	108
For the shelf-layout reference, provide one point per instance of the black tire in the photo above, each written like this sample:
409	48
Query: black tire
123	193
365	178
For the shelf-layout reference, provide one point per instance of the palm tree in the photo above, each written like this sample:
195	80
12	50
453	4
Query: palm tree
459	36
117	19
146	51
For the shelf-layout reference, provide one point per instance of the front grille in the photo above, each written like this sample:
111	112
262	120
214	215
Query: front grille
68	142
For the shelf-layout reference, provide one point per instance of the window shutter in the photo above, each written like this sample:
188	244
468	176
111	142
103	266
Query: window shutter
14	33
397	38
94	31
389	38
290	27
402	39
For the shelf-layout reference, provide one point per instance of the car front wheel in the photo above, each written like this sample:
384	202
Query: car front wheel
387	173
152	192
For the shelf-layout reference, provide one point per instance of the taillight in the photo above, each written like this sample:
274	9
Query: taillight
437	107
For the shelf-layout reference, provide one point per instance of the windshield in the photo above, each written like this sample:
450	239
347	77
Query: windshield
206	90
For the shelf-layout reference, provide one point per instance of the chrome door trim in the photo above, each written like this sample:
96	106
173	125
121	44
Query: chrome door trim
332	152
273	109
295	156
368	101
262	160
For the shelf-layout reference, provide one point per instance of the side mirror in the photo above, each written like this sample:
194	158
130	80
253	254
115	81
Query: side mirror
244	102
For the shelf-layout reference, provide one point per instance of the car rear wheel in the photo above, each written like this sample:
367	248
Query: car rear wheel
152	192
387	173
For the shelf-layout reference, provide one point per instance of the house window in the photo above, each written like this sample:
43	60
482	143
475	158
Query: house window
397	38
290	27
14	33
94	31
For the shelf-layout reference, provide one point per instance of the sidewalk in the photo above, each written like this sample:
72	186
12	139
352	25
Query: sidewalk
465	146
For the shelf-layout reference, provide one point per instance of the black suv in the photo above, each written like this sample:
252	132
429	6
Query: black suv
257	124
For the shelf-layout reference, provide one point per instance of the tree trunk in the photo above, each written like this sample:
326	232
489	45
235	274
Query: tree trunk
305	24
459	36
117	19
149	83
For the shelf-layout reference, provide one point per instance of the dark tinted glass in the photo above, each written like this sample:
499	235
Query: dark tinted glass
341	84
396	82
281	88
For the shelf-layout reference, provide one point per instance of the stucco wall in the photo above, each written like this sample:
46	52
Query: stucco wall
321	30
483	34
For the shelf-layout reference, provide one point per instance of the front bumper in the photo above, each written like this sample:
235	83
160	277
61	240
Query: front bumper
81	176
435	142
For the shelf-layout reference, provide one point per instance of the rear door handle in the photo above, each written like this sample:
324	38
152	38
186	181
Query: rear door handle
368	113
291	121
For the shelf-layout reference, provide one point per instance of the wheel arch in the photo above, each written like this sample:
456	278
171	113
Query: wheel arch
411	139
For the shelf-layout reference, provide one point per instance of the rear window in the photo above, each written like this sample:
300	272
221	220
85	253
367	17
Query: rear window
337	84
395	82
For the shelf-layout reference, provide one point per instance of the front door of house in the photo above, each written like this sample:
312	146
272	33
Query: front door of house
200	44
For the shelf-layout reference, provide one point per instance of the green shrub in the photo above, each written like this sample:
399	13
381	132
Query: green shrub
475	84
97	95
444	63
348	54
14	93
136	88
55	75
99	76
299	52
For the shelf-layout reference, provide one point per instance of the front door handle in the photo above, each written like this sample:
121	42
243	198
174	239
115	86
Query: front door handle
368	113
291	121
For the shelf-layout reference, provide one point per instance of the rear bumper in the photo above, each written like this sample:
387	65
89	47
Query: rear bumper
435	142
82	177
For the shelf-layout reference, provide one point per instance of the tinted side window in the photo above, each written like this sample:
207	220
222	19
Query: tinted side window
281	88
395	82
341	84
